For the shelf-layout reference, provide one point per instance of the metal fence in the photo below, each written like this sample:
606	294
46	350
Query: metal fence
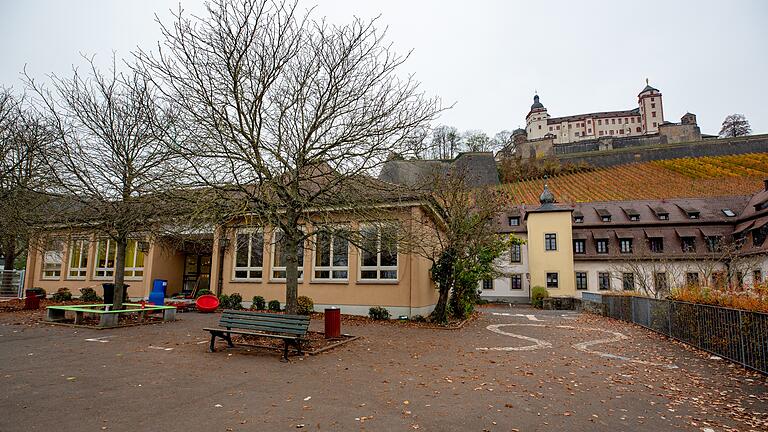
17	281
736	335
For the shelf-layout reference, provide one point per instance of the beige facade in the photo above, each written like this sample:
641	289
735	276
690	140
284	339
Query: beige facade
550	252
403	286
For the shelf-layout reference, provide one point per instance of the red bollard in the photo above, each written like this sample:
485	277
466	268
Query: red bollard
332	323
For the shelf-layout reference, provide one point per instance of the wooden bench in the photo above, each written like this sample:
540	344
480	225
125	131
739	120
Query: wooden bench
290	328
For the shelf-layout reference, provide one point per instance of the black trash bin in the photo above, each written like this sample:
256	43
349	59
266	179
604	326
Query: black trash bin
109	293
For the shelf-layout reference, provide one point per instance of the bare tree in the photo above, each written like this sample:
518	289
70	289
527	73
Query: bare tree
284	111
476	141
23	178
735	125
446	142
109	159
461	242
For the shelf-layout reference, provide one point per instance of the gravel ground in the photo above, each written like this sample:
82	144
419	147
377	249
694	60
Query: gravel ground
538	372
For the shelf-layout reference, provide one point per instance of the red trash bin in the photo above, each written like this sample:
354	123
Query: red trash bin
31	300
332	323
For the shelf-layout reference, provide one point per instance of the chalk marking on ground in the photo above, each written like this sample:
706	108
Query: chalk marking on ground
161	348
581	346
101	339
537	343
529	316
201	342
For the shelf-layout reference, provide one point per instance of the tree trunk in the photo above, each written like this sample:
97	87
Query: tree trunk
291	243
9	249
440	314
122	245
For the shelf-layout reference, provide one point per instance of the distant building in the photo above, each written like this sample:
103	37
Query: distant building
645	125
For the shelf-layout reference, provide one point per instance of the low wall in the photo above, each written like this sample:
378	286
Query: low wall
710	147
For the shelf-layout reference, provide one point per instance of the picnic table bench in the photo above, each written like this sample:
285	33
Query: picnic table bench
290	328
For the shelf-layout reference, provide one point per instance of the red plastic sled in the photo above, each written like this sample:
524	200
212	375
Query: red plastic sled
207	303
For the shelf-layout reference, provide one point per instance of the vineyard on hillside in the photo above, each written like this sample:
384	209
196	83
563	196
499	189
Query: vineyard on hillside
673	178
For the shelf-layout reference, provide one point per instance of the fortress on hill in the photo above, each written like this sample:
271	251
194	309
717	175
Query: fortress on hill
615	137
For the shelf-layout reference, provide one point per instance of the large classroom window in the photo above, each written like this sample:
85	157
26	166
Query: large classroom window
280	255
249	254
78	259
106	251
52	258
378	257
331	256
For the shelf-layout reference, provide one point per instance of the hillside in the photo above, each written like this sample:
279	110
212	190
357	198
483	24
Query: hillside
674	178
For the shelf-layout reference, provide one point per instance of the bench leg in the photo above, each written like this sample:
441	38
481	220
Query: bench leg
213	342
228	337
284	359
298	347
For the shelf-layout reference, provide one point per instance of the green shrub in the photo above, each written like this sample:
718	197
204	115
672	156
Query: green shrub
223	301
378	313
235	301
62	294
258	303
538	294
274	305
304	305
203	292
89	295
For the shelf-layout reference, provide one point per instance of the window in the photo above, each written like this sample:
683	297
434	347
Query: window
78	259
52	258
656	244
558	127
603	281
610	132
539	127
552	280
514	221
550	242
660	282
579	246
331	256
757	277
578	219
759	235
581	280
718	279
729	213
653	105
514	253
713	244
599	122
134	260
601	246
600	133
628	281
589	131
487	284
605	218
249	254
654	124
613	121
638	130
740	279
663	216
634	217
378	257
280	256
653	114
688	244
516	282
106	250
625	245
652	99
692	279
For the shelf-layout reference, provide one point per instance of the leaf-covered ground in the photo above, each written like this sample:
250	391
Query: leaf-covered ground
395	377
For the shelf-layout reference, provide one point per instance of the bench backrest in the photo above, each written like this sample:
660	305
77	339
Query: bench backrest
265	322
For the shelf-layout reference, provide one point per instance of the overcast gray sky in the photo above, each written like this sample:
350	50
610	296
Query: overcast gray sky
706	57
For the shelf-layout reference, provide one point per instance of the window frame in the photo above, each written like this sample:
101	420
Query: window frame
579	276
331	268
660	276
604	281
516	254
598	242
582	249
273	257
550	242
553	283
82	258
133	269
249	253
50	244
104	272
656	244
378	268
696	281
512	277
515	219
622	243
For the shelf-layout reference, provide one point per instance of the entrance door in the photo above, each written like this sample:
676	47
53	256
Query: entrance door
197	272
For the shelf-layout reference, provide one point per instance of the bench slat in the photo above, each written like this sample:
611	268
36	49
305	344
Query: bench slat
265	319
253	333
266	315
278	327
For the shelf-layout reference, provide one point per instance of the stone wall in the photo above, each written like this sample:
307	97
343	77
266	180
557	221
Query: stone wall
709	147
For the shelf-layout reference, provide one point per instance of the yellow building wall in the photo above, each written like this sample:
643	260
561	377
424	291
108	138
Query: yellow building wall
560	261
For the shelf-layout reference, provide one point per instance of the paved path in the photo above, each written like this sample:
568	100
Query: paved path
578	374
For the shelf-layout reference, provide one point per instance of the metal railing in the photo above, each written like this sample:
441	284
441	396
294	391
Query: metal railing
17	281
736	335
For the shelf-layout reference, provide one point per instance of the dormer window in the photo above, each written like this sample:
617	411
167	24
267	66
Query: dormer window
605	218
634	218
692	213
661	213
604	214
578	219
729	213
514	221
664	216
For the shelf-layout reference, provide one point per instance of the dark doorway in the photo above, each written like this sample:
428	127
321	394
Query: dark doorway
197	272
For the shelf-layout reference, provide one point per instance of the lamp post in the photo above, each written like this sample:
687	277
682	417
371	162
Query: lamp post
223	246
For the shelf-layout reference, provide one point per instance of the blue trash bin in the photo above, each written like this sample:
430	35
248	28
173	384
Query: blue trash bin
157	296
